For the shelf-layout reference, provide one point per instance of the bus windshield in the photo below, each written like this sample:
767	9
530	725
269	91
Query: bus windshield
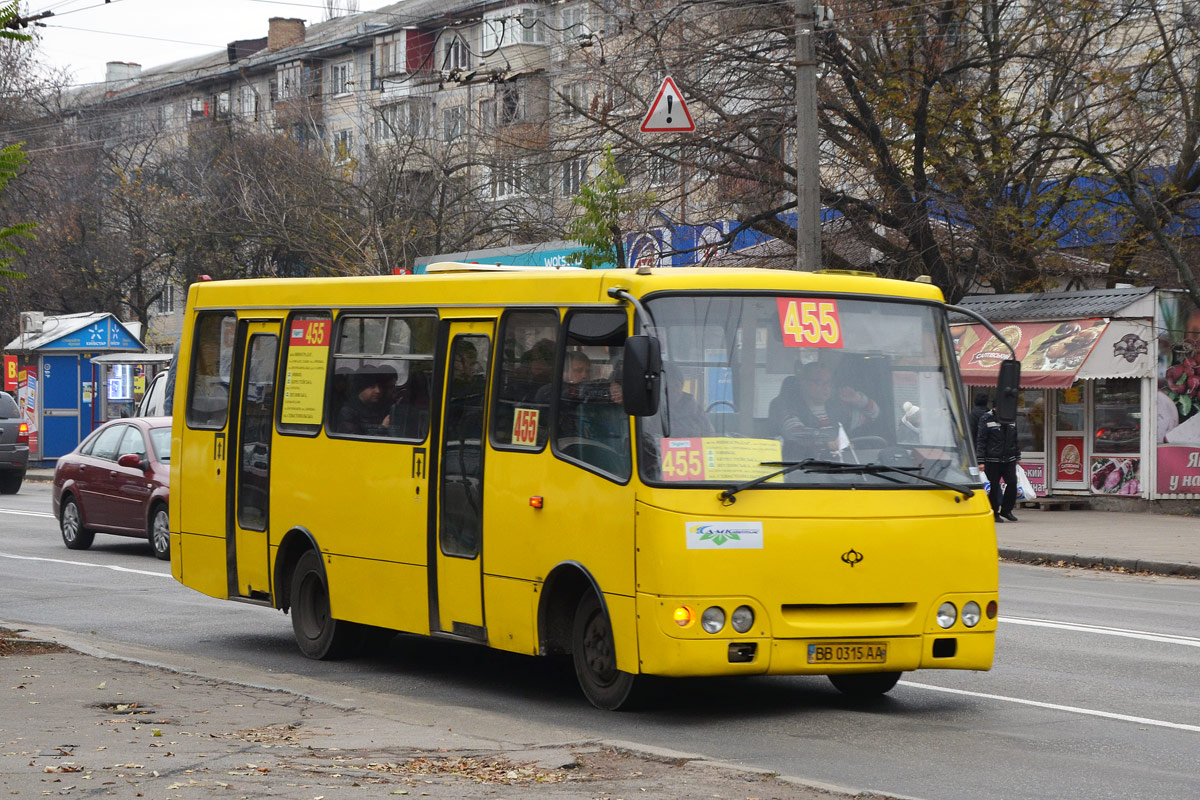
755	383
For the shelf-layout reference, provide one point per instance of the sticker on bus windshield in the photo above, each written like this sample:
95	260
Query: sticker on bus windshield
525	426
717	459
304	378
724	535
809	322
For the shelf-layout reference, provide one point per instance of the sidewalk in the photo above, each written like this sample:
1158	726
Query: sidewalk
1165	544
1138	541
75	723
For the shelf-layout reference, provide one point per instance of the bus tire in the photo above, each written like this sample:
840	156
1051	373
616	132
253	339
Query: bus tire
595	654
74	535
318	634
865	685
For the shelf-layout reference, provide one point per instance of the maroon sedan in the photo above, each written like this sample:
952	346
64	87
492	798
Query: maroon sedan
116	482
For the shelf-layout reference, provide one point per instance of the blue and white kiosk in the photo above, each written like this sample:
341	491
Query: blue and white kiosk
57	389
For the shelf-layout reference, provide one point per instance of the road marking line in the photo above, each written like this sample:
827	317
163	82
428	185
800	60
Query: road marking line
86	564
1056	707
26	513
1170	638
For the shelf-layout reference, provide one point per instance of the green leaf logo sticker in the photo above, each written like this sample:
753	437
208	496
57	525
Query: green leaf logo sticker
724	535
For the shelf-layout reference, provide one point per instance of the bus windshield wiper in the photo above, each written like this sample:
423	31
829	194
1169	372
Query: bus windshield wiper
837	467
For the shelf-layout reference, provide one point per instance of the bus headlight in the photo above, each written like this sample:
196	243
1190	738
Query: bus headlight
970	615
946	615
713	619
742	619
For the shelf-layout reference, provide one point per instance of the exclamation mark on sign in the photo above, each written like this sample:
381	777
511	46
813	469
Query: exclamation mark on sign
670	102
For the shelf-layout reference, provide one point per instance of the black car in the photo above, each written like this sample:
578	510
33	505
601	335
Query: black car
14	445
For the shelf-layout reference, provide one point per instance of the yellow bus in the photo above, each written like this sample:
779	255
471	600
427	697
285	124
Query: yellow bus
673	472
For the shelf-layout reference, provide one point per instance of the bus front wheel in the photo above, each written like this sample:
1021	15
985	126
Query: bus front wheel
595	656
319	635
865	685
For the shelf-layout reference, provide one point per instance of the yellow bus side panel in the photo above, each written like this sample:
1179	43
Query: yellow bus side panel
201	562
355	497
378	593
511	614
200	500
585	518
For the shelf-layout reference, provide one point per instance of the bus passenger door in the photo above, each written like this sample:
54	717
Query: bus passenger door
458	583
250	462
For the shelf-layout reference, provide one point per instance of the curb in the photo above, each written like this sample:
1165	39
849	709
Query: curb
1076	560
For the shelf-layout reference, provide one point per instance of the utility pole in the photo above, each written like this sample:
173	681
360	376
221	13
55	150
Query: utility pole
808	174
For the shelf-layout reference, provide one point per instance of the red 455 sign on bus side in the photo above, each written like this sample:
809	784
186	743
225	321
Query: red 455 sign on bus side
809	322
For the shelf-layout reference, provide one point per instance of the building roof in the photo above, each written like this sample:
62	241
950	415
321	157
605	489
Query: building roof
55	328
1053	305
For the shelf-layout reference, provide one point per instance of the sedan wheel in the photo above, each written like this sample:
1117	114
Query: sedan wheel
160	533
74	535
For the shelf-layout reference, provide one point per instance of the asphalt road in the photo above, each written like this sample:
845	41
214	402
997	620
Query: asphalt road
1094	695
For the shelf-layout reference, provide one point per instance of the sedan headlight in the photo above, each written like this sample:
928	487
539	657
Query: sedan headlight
713	619
947	614
970	615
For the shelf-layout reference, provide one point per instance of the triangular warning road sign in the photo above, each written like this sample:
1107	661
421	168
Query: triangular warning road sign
668	112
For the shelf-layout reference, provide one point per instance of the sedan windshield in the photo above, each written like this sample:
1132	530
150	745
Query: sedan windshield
160	440
752	384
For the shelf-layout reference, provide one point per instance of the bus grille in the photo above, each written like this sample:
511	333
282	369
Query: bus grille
850	619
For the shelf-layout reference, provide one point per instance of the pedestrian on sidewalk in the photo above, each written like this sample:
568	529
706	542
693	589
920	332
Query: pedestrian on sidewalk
997	449
977	411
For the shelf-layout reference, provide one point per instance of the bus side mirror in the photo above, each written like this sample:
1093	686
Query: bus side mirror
641	374
1006	391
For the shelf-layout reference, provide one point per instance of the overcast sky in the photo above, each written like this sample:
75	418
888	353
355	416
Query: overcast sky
85	34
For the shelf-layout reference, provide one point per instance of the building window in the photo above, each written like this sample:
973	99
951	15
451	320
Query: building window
247	102
664	167
576	99
341	78
1118	416
514	25
487	115
343	144
410	119
456	54
392	55
454	123
576	22
166	301
574	173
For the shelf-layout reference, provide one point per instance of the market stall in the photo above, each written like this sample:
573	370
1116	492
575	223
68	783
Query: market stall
1110	398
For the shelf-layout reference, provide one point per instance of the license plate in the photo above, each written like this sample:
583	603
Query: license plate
848	653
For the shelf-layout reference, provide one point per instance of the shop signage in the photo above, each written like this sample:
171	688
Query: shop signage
1068	459
1178	469
1051	353
1036	472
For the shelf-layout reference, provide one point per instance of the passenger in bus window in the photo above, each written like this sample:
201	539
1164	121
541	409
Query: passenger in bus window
366	412
409	416
814	421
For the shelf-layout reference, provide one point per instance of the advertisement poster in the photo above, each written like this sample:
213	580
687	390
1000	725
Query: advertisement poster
1068	459
1178	469
1178	404
27	382
10	374
1036	472
1116	475
1050	352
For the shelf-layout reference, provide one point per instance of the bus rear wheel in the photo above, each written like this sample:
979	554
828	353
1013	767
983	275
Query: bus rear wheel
595	654
318	634
865	685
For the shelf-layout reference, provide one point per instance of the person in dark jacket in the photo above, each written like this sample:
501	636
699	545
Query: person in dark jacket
997	449
977	412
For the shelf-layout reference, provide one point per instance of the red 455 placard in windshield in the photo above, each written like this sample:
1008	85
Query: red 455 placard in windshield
808	322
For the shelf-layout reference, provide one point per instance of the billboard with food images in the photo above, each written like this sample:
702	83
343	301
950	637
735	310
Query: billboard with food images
1051	353
1177	449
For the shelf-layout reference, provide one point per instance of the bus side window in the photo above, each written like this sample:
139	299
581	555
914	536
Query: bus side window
591	425
525	380
212	359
